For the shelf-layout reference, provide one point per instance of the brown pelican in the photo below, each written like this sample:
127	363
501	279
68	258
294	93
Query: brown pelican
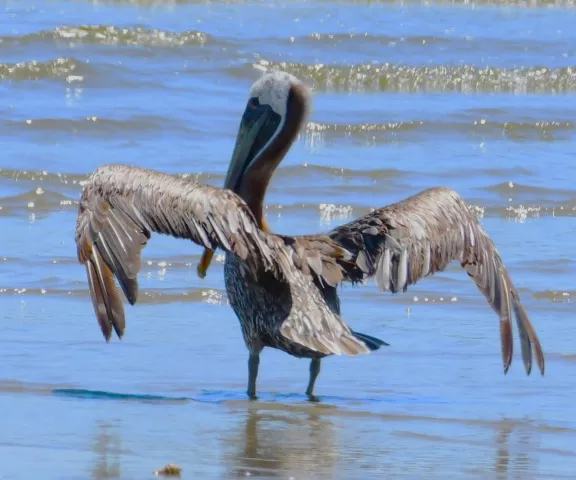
283	288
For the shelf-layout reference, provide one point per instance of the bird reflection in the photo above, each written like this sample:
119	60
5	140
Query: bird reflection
283	444
107	447
514	443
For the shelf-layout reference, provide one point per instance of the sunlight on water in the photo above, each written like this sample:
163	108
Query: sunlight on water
476	95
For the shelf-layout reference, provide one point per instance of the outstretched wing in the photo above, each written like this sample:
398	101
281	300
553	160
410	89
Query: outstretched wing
406	241
120	207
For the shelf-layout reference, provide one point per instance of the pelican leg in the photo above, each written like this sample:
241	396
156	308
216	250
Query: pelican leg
314	371
253	363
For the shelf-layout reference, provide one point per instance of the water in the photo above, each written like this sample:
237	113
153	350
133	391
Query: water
476	95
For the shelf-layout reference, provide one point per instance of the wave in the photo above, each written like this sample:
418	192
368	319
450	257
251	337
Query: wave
308	169
111	35
471	3
417	296
508	188
388	77
315	133
147	296
495	3
60	68
35	206
544	130
435	45
562	296
39	182
94	124
37	194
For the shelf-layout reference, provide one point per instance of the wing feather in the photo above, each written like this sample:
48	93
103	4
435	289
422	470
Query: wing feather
404	242
120	207
314	325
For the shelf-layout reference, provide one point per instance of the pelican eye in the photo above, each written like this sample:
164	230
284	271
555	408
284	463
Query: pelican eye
253	103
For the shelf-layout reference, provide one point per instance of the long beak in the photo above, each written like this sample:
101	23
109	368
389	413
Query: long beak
259	124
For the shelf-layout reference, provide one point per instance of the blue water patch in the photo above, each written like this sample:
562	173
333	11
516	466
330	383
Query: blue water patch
102	395
222	396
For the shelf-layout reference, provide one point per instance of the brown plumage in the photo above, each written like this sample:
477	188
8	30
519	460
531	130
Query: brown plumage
404	242
121	206
283	288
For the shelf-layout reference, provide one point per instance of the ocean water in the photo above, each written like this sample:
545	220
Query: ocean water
476	95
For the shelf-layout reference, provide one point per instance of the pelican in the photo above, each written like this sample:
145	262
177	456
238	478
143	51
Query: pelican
283	288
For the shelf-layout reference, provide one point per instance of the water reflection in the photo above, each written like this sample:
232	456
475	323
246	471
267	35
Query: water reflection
277	444
304	443
515	447
502	462
107	447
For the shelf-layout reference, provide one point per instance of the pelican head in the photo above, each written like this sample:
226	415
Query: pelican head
277	106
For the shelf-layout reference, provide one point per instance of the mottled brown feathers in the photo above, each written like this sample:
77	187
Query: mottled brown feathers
404	242
399	244
395	245
121	206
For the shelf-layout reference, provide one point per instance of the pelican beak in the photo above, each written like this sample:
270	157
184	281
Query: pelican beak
259	124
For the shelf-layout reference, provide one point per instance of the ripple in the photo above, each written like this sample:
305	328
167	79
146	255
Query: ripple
110	35
409	79
150	296
437	45
34	70
37	200
169	4
57	178
556	296
93	124
416	296
472	3
311	170
43	193
161	3
544	130
518	188
337	38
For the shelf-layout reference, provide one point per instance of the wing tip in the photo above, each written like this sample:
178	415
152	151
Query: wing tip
540	360
132	298
507	344
532	338
345	344
528	368
353	346
105	299
373	343
107	336
538	352
120	333
542	368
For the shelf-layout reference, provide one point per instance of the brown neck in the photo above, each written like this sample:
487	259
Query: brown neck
257	178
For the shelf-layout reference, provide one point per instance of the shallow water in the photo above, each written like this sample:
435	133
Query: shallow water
476	95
